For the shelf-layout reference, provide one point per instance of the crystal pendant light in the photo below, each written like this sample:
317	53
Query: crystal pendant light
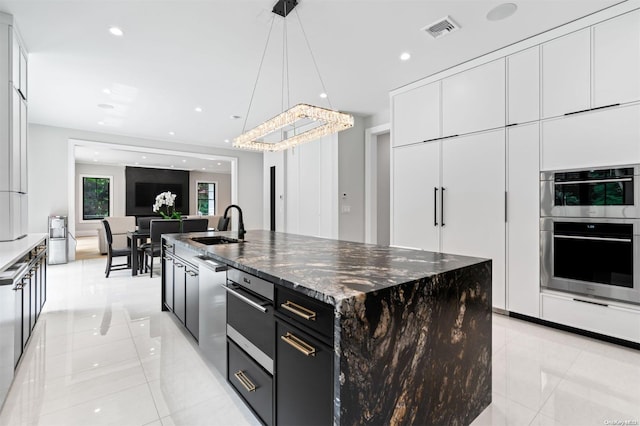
299	124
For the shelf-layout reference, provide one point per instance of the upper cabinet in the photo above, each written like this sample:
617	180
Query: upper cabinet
18	74
523	86
474	100
566	74
416	115
616	60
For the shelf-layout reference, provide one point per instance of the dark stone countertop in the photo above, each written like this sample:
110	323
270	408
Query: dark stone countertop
325	269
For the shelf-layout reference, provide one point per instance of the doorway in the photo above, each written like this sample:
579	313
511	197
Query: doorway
377	185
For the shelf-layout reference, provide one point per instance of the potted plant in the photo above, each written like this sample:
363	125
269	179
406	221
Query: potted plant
165	205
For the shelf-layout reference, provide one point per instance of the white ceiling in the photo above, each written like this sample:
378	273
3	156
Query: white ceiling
104	155
179	54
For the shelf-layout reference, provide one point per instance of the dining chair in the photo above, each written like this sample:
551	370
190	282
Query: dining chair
114	252
195	225
144	222
159	227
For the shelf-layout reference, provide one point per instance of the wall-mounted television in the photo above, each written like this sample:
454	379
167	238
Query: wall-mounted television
144	184
146	192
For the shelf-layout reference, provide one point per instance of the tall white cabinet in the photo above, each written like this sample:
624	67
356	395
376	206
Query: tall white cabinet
571	101
13	131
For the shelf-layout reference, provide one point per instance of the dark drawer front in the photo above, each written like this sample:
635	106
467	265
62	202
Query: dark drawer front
255	325
304	380
307	311
257	285
251	382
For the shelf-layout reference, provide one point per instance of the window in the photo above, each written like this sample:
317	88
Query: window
206	200
96	197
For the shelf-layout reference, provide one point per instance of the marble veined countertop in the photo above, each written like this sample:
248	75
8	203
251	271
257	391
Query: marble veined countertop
325	269
11	251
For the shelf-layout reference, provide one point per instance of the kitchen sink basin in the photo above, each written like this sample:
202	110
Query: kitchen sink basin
210	241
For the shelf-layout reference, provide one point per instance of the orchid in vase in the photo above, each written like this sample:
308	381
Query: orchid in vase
165	205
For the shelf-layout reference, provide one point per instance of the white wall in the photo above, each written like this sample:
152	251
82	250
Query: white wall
118	195
223	190
50	165
351	182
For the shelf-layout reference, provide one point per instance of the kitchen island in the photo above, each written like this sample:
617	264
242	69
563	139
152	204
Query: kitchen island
410	338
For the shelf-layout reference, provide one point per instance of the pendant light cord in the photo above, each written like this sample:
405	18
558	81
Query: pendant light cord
304	33
255	85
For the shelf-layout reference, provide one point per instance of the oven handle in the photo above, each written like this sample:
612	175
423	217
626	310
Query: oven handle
575	237
245	299
613	180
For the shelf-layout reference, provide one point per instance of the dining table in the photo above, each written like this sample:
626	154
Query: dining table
137	237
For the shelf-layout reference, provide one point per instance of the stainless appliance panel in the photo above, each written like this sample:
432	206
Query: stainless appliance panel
213	313
548	207
548	278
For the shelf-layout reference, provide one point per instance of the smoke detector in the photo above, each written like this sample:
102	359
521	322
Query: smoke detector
441	27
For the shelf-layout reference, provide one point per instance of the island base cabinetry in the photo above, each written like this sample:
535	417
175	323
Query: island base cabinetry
304	380
251	382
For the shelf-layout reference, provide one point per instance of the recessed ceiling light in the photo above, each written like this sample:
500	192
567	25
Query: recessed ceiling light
137	163
235	117
197	109
172	166
105	106
144	158
116	31
184	161
172	133
323	95
204	168
95	159
101	123
502	11
405	56
219	164
226	141
96	153
106	91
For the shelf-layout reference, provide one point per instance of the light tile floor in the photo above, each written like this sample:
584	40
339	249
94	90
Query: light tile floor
103	353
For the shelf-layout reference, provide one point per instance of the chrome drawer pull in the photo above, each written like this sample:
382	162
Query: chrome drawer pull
301	311
244	381
245	299
299	344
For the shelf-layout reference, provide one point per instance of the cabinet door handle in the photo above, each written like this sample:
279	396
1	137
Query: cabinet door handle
435	206
300	311
179	265
299	344
244	381
442	207
192	274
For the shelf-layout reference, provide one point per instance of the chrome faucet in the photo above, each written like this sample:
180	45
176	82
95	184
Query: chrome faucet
241	230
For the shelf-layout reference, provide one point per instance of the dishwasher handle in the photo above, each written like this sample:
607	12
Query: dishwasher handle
210	264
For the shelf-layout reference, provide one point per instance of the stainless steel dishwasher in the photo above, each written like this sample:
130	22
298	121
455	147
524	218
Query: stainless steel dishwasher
212	315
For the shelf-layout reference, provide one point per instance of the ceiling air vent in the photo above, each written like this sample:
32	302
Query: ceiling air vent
441	27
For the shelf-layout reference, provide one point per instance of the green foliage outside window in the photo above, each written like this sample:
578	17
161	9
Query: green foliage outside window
96	195
206	198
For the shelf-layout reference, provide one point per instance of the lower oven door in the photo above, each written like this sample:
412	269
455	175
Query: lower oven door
250	324
588	256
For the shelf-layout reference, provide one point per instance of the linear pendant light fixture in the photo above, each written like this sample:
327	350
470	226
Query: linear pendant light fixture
299	124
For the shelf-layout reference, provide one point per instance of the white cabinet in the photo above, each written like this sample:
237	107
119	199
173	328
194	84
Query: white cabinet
14	143
616	60
523	236
416	172
416	115
14	223
14	77
474	100
566	74
23	146
580	312
523	86
597	138
473	219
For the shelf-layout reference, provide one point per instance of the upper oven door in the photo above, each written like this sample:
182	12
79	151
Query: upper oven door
611	192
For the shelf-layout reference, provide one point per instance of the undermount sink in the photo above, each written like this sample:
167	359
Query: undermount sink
210	241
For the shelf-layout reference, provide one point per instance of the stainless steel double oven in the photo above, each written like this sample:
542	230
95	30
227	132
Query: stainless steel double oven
590	232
